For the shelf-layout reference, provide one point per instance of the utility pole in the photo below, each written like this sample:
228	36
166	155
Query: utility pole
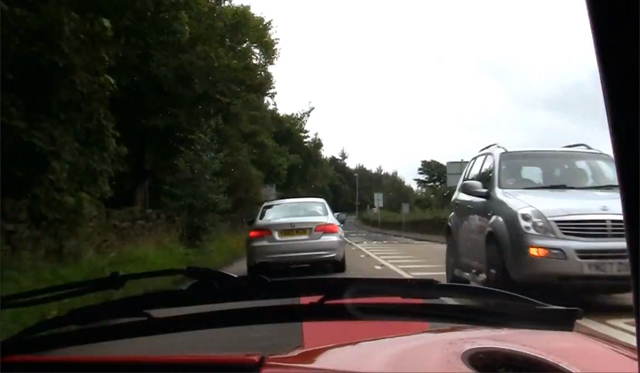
357	196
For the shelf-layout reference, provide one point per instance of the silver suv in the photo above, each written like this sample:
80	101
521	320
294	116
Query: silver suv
536	217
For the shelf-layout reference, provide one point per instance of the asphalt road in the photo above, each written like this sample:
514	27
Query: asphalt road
369	255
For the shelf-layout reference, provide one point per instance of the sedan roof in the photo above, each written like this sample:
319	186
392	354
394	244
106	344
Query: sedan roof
291	200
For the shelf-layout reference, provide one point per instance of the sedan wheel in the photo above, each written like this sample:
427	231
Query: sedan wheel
341	266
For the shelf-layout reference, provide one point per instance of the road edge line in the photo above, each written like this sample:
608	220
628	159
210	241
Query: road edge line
607	330
392	267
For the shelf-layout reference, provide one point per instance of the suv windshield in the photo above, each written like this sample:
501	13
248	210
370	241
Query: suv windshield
293	210
535	169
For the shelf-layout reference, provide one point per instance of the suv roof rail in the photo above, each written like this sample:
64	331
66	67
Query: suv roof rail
579	145
492	145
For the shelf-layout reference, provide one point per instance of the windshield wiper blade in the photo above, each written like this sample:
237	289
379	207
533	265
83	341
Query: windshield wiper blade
552	186
562	319
201	292
115	281
605	186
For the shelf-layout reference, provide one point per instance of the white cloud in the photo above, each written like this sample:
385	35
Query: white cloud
395	83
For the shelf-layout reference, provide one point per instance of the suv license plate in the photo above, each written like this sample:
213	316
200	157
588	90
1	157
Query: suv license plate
608	268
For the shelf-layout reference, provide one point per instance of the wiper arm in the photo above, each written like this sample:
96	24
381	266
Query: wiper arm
114	281
553	186
202	292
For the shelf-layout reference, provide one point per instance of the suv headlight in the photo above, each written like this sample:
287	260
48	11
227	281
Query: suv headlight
532	221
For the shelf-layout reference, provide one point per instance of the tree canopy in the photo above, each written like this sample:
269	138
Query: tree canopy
156	104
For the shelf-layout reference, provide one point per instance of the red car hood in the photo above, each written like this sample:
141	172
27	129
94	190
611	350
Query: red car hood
368	346
375	346
444	351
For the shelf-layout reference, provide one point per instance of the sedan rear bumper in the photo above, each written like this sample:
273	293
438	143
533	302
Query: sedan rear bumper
325	249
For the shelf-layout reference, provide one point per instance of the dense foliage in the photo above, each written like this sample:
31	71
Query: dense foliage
155	104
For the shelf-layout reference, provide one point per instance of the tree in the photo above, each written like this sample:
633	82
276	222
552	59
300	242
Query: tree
433	174
343	156
159	104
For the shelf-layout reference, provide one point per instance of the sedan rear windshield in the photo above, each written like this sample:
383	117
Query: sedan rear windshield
540	169
293	210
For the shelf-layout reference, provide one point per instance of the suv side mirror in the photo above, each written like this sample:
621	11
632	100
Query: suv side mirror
474	188
341	217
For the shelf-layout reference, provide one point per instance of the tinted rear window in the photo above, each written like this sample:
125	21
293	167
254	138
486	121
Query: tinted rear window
293	210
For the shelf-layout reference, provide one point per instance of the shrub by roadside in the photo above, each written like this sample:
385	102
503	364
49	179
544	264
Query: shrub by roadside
426	222
28	273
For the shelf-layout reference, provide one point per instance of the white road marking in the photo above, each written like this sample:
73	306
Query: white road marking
374	256
420	266
377	267
427	273
406	261
394	268
622	324
385	257
607	330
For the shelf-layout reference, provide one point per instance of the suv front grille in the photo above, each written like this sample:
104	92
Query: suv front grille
605	254
591	228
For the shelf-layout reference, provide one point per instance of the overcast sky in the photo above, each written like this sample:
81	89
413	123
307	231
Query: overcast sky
397	82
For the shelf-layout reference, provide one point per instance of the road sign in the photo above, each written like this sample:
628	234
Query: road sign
405	208
454	171
377	200
268	192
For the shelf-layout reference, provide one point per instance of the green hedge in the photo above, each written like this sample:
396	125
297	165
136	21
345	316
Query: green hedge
426	222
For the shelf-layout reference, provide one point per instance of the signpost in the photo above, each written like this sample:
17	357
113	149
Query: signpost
405	210
378	201
454	172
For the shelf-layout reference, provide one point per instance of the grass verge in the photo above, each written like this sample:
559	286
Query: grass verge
33	273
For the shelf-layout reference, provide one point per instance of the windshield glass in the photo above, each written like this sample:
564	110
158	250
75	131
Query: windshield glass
293	210
521	170
458	142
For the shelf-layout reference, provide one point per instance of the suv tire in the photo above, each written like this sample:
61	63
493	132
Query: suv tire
451	262
496	271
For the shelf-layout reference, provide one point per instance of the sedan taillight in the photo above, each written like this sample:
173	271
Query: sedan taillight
327	228
259	233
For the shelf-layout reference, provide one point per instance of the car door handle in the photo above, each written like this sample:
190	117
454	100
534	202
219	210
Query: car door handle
470	206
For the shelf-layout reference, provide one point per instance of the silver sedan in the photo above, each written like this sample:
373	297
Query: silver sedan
296	231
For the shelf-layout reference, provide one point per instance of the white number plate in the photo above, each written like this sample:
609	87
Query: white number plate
608	268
